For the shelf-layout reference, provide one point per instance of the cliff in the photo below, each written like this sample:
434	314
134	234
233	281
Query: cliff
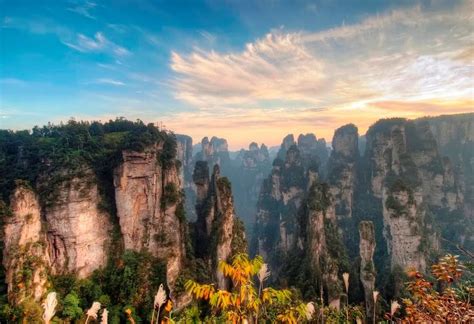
218	235
367	267
77	230
249	169
25	256
150	206
296	228
342	177
411	177
214	151
185	156
94	197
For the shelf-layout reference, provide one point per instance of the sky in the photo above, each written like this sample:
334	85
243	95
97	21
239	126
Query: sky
243	70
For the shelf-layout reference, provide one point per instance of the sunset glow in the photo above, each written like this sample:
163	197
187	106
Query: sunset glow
223	76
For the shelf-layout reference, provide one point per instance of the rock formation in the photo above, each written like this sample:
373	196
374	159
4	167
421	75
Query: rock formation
367	267
408	175
25	256
312	148
217	237
185	156
342	169
296	222
405	228
321	228
214	151
250	168
78	231
150	207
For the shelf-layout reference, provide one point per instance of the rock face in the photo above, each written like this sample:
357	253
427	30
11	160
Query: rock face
321	228
284	189
451	129
249	170
405	228
150	207
214	151
454	135
25	248
311	147
296	222
217	237
402	147
404	172
367	267
78	231
342	169
185	156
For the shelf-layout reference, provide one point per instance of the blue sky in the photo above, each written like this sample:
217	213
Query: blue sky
244	70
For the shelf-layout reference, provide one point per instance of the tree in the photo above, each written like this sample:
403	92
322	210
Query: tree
71	309
246	302
428	305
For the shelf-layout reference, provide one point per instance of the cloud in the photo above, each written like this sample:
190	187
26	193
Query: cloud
98	43
84	9
211	38
409	62
109	82
272	68
414	53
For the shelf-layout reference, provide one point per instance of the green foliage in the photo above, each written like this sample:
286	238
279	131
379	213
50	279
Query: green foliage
166	158
71	309
129	281
239	243
73	146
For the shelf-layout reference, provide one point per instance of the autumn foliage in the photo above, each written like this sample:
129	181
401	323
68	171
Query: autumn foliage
429	305
246	302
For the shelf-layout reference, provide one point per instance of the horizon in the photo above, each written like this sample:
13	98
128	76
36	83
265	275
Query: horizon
197	141
241	71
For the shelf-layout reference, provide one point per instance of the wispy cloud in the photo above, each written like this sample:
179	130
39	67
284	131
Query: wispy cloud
411	62
84	9
98	43
109	82
275	67
211	38
386	56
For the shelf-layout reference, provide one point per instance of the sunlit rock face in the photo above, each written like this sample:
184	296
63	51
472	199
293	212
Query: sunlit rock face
150	207
78	230
25	247
219	234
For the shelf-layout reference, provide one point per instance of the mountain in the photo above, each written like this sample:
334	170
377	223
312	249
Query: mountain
111	210
397	205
